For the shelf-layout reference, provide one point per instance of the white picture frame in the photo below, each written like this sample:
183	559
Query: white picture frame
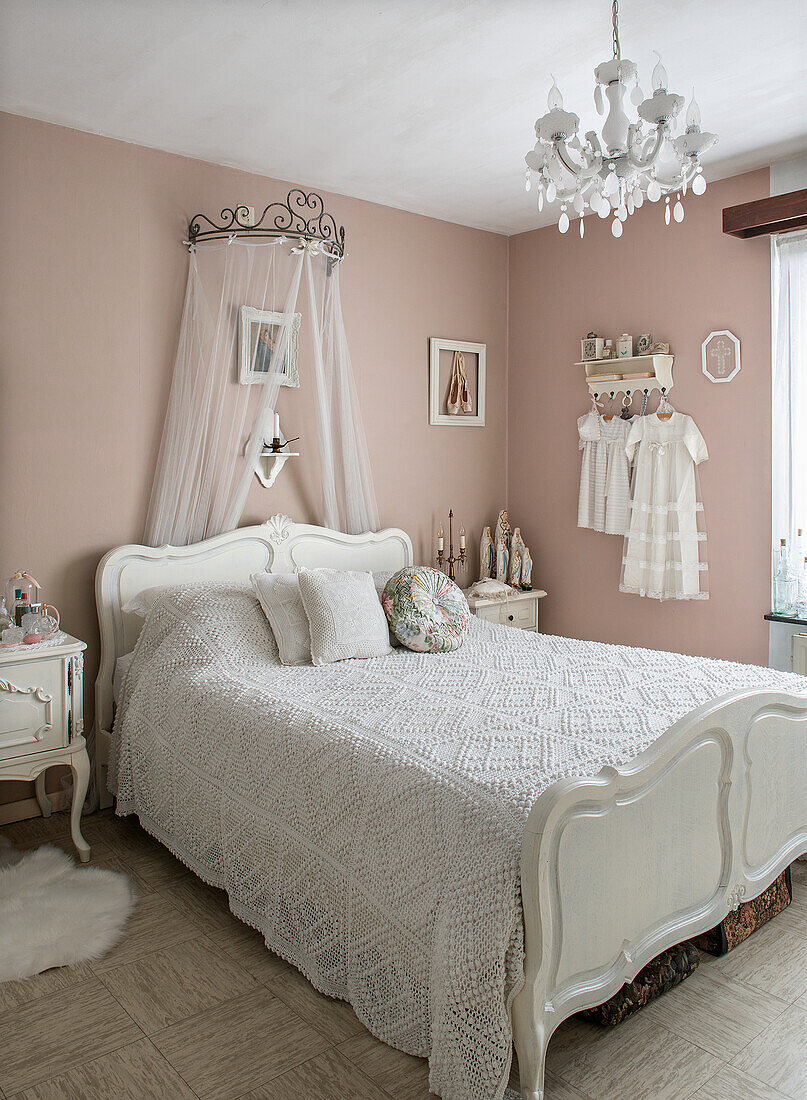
720	356
437	415
252	321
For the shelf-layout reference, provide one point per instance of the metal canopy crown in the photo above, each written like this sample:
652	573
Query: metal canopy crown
301	215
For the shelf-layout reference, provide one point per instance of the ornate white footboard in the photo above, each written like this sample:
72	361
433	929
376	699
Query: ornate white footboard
617	868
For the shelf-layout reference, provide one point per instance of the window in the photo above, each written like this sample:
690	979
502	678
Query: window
789	390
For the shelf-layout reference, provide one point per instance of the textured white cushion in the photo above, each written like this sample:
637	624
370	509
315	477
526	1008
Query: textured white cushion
283	606
279	596
345	617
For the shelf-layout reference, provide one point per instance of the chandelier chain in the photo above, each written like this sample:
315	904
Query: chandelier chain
615	20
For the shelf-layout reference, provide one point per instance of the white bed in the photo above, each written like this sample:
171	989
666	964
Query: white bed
477	784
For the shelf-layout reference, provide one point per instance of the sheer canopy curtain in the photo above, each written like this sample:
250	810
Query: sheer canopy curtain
789	390
215	427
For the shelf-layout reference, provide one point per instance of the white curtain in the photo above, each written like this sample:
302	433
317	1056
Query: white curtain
789	389
215	427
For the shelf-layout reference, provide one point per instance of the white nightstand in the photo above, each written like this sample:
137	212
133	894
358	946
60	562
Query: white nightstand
520	609
42	720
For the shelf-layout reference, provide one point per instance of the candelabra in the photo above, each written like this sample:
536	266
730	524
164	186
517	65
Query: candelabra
450	560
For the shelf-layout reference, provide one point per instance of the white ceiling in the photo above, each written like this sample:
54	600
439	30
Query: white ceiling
426	105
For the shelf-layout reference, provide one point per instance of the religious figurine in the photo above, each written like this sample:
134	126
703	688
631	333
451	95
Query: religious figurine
487	564
526	570
516	548
515	567
502	529
502	559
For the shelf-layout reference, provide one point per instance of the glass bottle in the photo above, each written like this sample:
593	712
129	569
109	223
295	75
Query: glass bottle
801	606
799	550
783	582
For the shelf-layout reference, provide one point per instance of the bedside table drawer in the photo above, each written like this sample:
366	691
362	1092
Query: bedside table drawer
33	706
520	610
490	613
520	613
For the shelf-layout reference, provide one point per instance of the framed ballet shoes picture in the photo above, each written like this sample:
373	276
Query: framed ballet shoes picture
456	383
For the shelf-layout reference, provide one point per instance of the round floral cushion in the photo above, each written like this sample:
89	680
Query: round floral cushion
426	611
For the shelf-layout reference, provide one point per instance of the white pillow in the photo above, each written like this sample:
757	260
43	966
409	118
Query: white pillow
289	622
143	602
279	596
345	616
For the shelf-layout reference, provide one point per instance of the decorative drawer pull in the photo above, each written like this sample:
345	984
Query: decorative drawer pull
38	692
41	696
510	617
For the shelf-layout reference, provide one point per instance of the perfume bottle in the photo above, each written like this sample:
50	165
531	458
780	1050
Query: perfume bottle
21	591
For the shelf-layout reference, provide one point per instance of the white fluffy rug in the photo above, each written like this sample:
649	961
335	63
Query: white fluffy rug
53	913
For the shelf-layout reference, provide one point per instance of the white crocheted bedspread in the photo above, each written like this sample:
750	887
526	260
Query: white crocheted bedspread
367	815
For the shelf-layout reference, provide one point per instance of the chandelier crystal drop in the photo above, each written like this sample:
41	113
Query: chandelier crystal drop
611	176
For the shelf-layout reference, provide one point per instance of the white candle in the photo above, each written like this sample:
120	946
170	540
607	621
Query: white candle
462	538
440	540
277	425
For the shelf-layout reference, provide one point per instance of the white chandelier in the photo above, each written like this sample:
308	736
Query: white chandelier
634	160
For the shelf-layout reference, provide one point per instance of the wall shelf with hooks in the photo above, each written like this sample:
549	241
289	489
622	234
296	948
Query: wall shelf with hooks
600	374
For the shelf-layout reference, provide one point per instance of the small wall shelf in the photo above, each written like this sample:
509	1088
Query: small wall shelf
269	465
598	370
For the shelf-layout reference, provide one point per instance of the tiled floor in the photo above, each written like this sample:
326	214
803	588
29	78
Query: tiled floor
191	1004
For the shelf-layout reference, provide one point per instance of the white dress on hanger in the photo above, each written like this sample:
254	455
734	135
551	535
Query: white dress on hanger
665	549
604	501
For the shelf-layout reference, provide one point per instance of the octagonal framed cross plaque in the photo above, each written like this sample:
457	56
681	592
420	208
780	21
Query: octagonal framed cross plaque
720	356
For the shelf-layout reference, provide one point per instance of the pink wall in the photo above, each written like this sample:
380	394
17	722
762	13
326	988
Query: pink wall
89	316
679	283
95	272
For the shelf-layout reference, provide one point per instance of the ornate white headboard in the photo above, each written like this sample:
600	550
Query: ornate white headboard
278	546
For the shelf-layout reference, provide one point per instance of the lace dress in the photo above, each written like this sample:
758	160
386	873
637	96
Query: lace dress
604	502
665	549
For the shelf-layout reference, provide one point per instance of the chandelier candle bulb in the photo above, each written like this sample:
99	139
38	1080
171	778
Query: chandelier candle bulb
659	75
693	113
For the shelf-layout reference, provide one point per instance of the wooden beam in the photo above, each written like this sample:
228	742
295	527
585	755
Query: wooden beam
778	214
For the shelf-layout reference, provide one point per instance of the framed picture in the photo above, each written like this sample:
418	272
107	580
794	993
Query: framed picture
258	335
456	383
720	356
